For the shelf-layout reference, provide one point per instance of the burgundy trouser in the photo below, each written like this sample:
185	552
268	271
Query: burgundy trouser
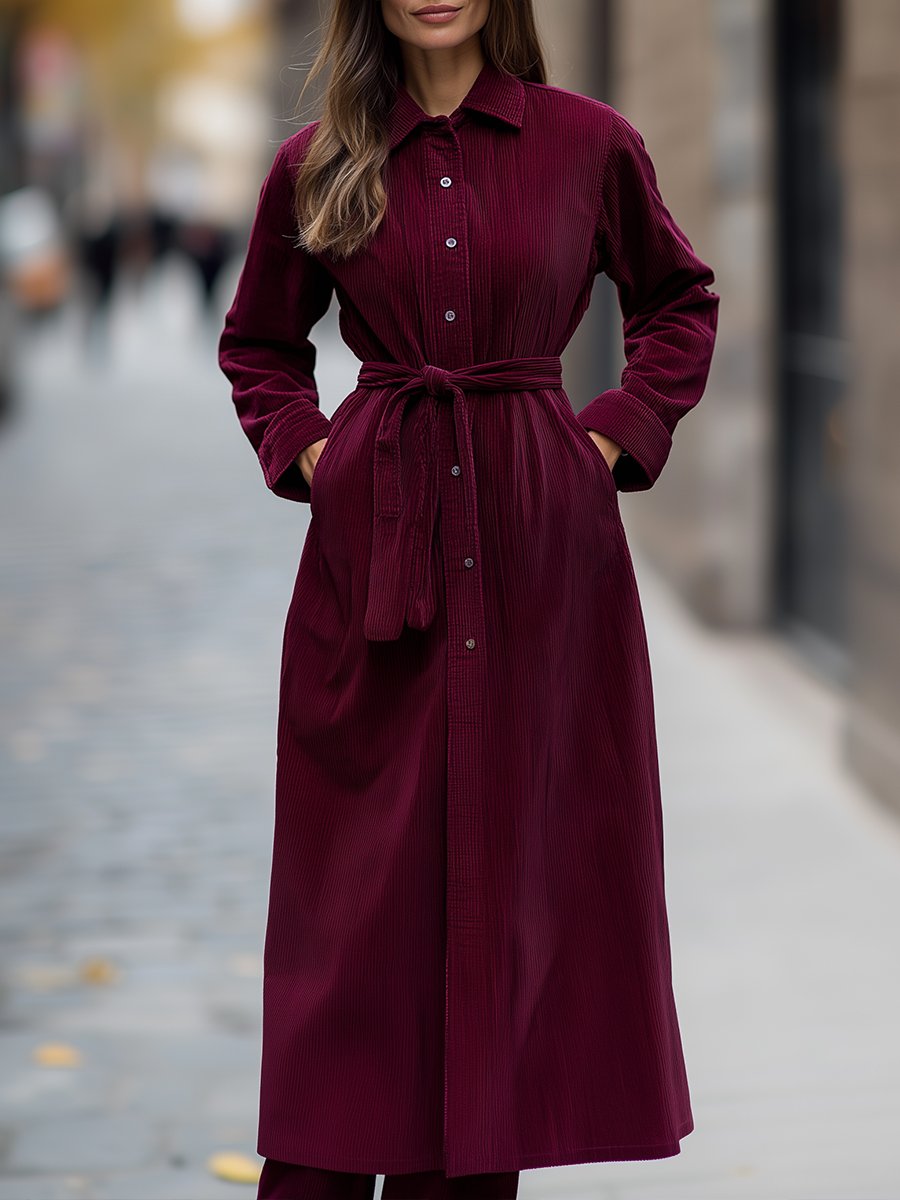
289	1181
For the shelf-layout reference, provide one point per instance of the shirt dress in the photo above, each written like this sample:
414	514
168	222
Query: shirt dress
467	960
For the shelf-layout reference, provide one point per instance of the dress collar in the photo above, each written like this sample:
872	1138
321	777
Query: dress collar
495	92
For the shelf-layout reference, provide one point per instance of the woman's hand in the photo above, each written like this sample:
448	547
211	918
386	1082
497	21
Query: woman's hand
306	459
610	449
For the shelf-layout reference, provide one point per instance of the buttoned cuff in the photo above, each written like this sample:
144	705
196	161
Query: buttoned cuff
635	427
296	427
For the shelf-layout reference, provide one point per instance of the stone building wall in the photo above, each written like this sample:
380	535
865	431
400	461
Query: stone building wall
870	88
692	76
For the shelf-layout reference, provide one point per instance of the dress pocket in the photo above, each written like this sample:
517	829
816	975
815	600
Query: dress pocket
340	441
604	463
571	419
314	482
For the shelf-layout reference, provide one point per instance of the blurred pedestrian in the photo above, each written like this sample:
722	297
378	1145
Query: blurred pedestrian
95	215
467	963
208	247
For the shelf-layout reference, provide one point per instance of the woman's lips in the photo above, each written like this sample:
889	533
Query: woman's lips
436	14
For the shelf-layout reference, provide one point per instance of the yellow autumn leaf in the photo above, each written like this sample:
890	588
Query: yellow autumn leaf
98	970
57	1054
237	1168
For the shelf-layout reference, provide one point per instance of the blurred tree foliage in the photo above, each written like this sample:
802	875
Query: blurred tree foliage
129	47
130	50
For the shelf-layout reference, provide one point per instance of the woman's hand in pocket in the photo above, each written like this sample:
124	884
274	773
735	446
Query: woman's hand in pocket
609	449
307	459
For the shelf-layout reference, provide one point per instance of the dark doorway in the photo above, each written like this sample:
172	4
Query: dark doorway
811	354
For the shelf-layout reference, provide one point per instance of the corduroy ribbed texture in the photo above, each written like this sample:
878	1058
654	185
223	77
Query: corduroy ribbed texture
467	963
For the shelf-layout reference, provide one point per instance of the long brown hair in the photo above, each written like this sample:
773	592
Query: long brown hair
340	198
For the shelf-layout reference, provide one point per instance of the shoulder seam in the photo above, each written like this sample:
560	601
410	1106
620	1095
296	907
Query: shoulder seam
592	101
599	210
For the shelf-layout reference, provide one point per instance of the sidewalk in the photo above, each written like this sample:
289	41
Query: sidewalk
147	571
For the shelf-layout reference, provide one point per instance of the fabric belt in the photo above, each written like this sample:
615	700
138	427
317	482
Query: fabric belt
400	576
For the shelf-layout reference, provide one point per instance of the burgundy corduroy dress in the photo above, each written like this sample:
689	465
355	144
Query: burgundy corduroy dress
467	963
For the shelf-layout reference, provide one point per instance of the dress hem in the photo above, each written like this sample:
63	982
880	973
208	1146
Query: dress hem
522	1162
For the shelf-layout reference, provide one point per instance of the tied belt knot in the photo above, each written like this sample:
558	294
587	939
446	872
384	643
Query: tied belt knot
401	584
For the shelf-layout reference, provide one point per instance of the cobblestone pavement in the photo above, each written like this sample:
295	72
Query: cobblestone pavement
146	573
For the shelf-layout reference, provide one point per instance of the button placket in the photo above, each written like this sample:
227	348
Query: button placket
448	324
450	277
449	332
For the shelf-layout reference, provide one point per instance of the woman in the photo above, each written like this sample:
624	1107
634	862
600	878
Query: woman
467	967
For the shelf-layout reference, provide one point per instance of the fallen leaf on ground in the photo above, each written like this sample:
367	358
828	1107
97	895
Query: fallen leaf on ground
238	1168
57	1054
98	970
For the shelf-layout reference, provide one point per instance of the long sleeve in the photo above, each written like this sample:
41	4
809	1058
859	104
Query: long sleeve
264	348
669	315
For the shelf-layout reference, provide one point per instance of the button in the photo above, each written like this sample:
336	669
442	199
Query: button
454	470
450	314
469	562
470	643
446	181
451	242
